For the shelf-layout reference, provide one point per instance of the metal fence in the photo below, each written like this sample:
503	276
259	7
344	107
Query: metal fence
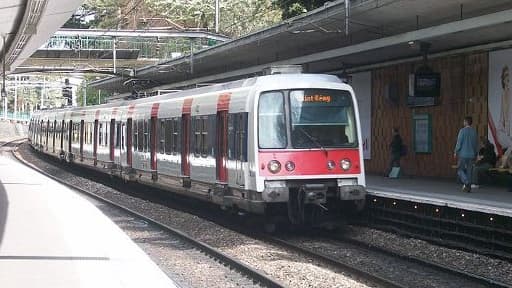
149	47
20	116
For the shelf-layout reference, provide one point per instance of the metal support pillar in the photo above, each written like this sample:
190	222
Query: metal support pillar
347	16
15	97
99	97
114	53
217	15
84	99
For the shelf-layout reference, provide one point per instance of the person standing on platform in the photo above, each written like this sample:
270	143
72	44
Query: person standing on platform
486	160
466	151
396	150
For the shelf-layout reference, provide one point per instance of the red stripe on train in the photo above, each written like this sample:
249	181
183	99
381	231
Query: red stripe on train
309	162
131	109
223	102
187	106
154	109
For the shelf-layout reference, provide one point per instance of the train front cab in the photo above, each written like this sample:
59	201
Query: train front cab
308	153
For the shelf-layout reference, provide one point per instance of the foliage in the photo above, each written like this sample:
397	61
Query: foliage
237	17
292	8
93	96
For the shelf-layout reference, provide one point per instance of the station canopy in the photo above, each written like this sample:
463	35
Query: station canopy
27	24
380	31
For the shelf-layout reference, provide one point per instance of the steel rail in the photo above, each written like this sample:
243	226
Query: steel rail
252	273
381	281
353	269
438	266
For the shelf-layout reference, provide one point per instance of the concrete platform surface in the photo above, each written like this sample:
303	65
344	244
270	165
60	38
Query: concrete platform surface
50	236
487	199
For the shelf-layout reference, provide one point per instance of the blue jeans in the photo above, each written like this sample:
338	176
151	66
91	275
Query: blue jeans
465	170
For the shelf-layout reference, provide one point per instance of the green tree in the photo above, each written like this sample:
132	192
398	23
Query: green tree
237	17
94	97
292	8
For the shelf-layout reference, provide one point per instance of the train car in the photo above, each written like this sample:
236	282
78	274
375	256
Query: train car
279	145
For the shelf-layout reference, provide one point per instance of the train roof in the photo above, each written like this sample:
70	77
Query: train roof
283	79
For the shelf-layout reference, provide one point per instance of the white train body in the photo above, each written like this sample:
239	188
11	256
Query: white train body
248	144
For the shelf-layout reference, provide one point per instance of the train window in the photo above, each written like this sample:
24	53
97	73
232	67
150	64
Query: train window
123	125
204	137
322	118
272	124
197	136
135	134
169	126
140	135
106	134
100	140
91	129
118	134
161	133
146	135
176	144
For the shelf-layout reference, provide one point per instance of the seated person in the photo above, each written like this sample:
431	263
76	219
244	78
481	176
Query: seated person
486	160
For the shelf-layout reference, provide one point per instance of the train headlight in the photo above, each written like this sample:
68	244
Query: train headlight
289	166
274	166
345	164
331	165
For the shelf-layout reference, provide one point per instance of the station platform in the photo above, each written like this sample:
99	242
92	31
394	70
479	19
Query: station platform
50	236
486	199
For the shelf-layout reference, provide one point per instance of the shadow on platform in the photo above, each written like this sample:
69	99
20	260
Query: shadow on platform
4	205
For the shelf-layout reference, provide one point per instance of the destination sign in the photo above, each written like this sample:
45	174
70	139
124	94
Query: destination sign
317	98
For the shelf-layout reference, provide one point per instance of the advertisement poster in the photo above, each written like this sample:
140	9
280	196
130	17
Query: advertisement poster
500	101
362	85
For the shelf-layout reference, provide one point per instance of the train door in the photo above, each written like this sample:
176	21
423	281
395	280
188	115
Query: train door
82	134
222	146
95	144
185	145
112	139
241	147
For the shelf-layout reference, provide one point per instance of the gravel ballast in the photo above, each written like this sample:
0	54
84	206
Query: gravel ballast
281	264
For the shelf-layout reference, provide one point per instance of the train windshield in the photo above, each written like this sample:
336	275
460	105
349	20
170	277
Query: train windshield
322	118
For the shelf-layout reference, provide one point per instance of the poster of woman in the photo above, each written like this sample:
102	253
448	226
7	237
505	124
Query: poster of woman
500	110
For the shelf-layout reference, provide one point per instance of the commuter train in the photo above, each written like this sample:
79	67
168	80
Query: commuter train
286	145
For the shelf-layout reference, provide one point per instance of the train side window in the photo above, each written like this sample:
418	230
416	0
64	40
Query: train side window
176	140
242	136
140	135
123	129
118	134
100	140
161	134
204	137
197	136
146	135
135	134
168	133
91	130
106	134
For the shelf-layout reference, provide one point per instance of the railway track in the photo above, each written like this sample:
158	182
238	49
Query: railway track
255	275
379	252
376	278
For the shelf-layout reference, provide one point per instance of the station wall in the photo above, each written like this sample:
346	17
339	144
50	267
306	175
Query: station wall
464	80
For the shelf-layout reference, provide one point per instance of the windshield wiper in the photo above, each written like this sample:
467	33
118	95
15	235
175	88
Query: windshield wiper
312	139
